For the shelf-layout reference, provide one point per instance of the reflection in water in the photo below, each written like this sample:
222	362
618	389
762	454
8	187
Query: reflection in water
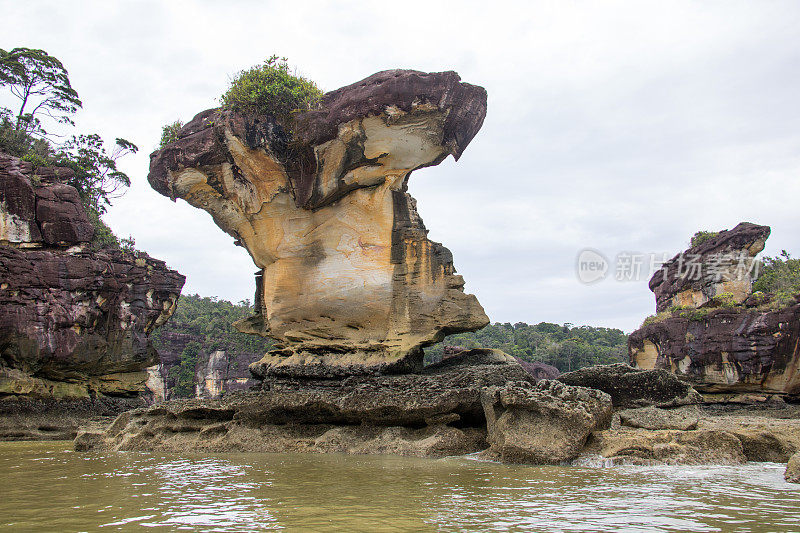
48	487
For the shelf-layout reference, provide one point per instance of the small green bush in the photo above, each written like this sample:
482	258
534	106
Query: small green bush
271	89
724	299
779	278
169	133
702	236
695	315
655	319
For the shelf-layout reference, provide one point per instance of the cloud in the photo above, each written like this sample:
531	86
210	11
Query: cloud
617	126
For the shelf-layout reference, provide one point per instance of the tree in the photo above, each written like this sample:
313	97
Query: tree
96	176
41	83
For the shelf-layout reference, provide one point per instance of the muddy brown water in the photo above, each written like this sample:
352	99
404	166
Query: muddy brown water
48	487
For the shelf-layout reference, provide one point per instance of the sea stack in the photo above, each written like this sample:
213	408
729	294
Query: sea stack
348	280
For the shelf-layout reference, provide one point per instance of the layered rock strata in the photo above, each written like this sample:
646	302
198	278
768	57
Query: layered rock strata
74	323
435	412
479	401
714	332
698	435
348	280
724	264
631	387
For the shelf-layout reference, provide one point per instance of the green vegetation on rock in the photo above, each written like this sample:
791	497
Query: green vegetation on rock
779	278
41	85
271	89
702	236
209	322
169	133
566	347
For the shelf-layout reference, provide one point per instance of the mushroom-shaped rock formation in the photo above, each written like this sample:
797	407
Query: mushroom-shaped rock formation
348	281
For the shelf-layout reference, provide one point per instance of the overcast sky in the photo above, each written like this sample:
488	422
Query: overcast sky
617	126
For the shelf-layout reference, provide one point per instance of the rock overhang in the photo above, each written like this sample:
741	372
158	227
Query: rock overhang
348	276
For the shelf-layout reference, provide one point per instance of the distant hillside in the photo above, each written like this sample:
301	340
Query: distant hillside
565	347
202	326
201	352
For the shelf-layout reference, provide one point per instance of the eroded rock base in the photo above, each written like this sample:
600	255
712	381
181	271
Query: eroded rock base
435	412
24	418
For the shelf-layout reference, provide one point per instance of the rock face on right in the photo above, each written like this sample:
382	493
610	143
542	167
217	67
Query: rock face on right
711	330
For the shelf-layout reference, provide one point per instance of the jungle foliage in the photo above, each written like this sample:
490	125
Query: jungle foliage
779	278
566	347
209	321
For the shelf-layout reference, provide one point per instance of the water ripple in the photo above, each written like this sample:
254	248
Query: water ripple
61	490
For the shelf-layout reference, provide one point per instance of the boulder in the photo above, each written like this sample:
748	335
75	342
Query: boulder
37	209
545	423
630	387
348	278
539	370
641	446
792	474
683	418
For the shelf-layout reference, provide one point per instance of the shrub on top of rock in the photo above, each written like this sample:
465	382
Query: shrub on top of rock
702	236
169	133
271	89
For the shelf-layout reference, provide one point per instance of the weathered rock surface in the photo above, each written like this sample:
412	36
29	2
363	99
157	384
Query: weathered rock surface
684	418
639	446
435	412
74	323
42	211
737	348
545	423
766	434
630	387
723	434
688	279
539	370
349	279
34	418
792	474
728	350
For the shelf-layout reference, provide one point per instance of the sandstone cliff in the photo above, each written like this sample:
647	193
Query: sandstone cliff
348	281
216	371
74	323
711	331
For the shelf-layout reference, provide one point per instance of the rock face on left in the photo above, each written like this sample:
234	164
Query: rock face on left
74	323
